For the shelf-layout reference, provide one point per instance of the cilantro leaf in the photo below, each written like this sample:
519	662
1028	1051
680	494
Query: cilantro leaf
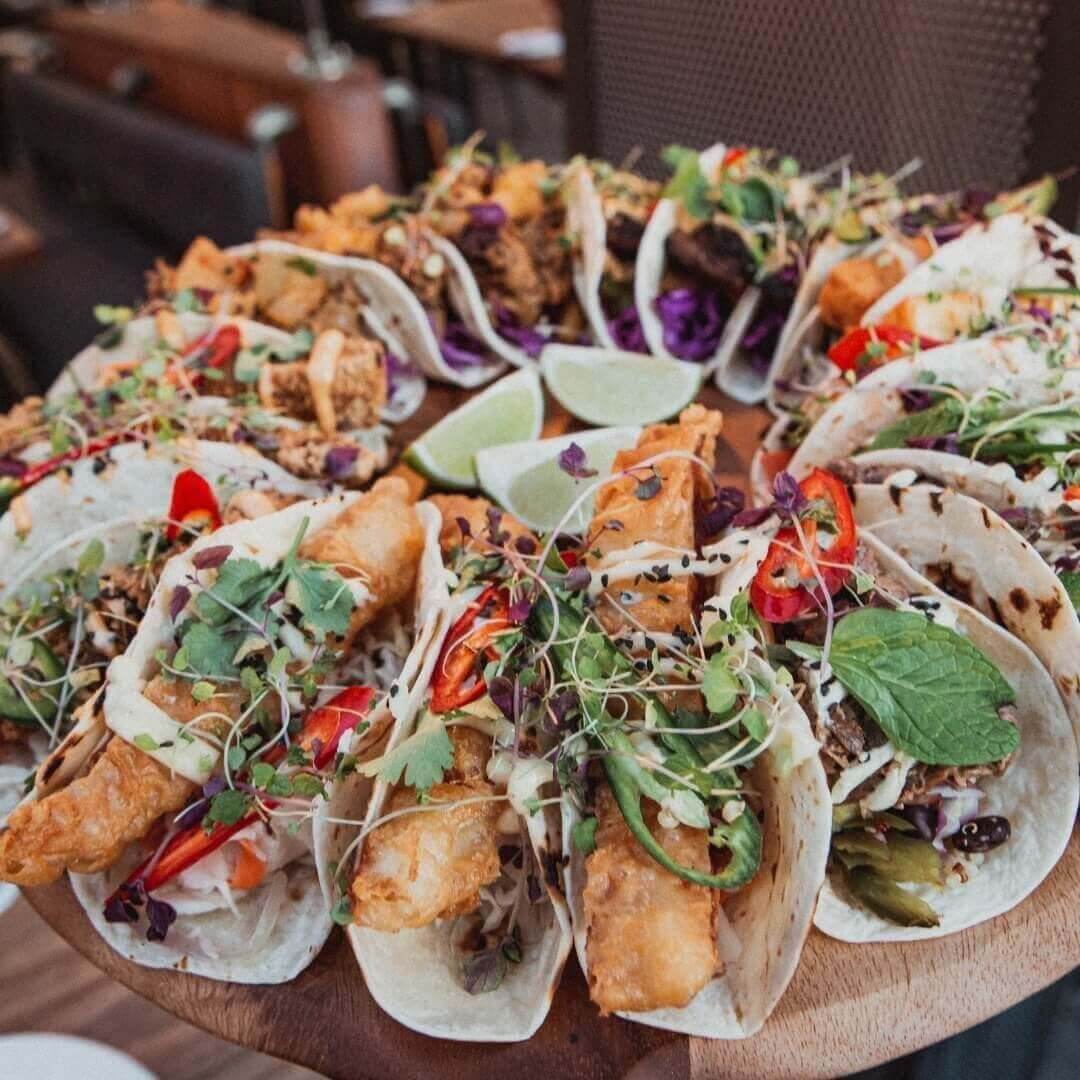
930	690
227	807
239	583
688	184
423	757
322	597
209	650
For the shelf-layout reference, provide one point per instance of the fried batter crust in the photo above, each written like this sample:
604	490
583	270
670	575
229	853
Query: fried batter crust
474	511
666	518
651	935
428	865
378	538
85	826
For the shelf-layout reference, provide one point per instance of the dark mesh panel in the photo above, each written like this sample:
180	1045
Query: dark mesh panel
951	81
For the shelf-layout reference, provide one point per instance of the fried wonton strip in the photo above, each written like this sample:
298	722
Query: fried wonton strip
431	864
625	517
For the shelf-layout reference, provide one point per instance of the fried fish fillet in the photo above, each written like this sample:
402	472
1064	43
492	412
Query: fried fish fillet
651	935
623	518
431	864
379	539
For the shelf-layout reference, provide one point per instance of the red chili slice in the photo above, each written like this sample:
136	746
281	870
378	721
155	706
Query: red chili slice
786	585
327	724
193	502
12	486
457	681
854	346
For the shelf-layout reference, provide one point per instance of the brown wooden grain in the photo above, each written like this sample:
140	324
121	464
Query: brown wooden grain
848	1008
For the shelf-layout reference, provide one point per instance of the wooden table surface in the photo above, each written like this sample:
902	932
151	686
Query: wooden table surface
848	1007
473	27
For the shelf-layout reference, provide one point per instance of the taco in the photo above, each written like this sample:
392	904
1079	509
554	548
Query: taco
454	874
724	254
695	808
304	293
1004	398
950	758
246	695
872	247
607	211
79	555
312	405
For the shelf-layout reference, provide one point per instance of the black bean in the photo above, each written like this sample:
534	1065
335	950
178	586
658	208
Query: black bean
982	834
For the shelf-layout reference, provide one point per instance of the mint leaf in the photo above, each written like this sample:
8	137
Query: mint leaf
940	419
689	184
322	597
930	690
1071	580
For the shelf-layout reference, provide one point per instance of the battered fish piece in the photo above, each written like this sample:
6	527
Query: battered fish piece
86	826
651	935
206	266
940	318
474	511
431	865
856	284
379	539
666	518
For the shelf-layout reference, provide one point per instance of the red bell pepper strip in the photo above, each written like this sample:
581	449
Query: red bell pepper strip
855	345
786	585
16	485
1072	492
218	350
193	502
457	681
327	724
185	849
733	155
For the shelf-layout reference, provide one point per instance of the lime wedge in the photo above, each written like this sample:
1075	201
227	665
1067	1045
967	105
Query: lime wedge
608	387
508	411
526	479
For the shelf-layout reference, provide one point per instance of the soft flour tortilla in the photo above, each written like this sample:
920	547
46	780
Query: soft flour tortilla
733	376
952	539
278	928
67	511
392	312
771	916
989	260
1003	362
1038	794
410	973
585	221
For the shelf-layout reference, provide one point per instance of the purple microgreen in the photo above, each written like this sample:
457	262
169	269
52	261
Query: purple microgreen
501	691
525	545
576	579
212	557
465	528
790	500
161	916
749	519
572	462
122	906
719	512
519	609
181	595
340	461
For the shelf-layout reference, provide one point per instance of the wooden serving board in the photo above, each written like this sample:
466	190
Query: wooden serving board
848	1007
